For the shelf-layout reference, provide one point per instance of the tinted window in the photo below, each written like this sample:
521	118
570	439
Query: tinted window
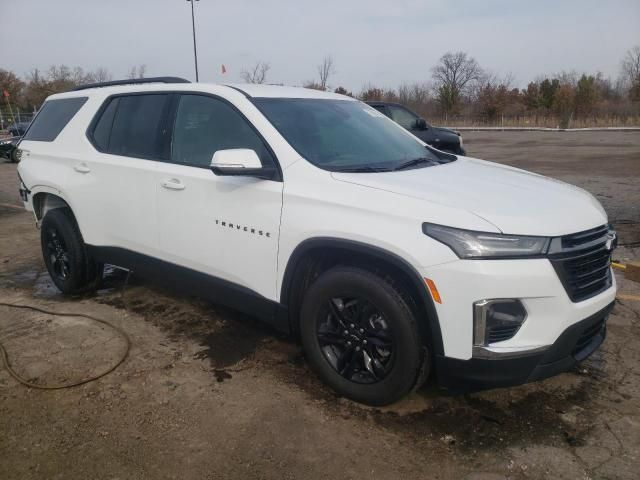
136	126
52	118
380	108
102	130
205	125
341	134
403	117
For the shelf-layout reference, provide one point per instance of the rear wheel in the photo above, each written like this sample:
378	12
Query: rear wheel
65	255
360	336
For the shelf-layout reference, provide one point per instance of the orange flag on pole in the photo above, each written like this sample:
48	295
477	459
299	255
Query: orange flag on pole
224	69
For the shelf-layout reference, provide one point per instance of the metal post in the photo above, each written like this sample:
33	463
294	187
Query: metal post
193	25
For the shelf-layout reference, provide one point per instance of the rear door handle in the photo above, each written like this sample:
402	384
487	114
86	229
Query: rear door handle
173	184
81	168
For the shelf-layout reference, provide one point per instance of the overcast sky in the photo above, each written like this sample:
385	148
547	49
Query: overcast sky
382	42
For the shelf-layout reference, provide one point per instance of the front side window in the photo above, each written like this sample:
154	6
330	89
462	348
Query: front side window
403	117
204	125
343	135
52	118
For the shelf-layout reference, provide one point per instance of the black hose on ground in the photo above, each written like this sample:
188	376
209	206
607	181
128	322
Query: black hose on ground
22	380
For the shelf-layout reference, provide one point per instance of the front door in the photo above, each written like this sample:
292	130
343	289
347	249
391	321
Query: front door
226	227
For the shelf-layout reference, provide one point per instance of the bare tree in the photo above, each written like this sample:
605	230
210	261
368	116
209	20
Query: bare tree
325	70
452	76
137	71
631	72
100	75
256	74
631	64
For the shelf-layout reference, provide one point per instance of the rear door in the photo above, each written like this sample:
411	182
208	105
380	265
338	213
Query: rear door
226	227
115	188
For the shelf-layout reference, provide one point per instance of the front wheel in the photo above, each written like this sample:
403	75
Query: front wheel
13	156
65	255
360	336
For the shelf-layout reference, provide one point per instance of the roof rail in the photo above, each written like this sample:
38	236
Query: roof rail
131	81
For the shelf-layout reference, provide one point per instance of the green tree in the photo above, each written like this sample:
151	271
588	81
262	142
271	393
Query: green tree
531	96
343	91
548	90
564	104
586	95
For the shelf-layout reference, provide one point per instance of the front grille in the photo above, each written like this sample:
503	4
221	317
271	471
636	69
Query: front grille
583	264
581	238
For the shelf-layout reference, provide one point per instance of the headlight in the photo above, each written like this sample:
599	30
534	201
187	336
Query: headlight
470	244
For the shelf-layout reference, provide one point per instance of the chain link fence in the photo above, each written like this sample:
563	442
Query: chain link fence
9	116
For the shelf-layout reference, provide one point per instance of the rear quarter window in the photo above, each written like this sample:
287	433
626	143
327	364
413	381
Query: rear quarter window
52	118
130	125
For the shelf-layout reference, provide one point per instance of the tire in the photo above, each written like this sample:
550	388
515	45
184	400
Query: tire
336	348
65	255
13	156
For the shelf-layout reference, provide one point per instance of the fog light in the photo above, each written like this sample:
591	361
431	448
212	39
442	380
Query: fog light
497	320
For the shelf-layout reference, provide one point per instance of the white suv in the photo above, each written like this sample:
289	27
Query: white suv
388	259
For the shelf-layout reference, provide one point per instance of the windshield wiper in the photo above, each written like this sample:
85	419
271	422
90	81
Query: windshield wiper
415	162
365	169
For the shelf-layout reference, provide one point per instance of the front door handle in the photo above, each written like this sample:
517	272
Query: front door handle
173	184
81	168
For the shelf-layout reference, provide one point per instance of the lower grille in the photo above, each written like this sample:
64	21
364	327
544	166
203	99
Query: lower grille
502	333
587	336
584	270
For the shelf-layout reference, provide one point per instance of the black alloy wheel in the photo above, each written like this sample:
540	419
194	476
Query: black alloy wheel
57	253
356	340
360	335
67	259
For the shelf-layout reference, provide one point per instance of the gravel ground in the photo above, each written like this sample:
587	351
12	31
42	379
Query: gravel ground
208	393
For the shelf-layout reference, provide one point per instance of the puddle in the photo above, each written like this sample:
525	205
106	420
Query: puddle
230	344
45	288
226	337
24	278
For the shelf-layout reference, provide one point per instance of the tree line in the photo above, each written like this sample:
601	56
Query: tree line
458	90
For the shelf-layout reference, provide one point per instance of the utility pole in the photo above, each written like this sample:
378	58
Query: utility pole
193	25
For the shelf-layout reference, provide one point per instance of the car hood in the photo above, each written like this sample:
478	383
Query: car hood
445	131
513	200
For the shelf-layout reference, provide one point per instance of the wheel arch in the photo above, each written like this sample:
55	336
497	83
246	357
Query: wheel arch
45	199
315	255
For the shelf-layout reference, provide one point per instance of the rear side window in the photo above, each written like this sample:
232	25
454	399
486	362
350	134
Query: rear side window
52	118
131	126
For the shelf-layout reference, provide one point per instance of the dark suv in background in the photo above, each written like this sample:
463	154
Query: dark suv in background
441	138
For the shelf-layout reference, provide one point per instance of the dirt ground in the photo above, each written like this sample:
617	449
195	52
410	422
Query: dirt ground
208	393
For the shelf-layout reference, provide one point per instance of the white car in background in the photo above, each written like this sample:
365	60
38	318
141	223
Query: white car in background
313	211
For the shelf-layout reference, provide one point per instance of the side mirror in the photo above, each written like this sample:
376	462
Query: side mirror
421	124
240	162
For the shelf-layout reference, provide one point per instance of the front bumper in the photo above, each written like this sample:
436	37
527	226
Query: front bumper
575	344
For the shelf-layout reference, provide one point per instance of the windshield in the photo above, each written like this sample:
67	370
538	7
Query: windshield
343	135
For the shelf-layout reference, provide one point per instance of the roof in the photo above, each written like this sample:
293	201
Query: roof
280	91
247	89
